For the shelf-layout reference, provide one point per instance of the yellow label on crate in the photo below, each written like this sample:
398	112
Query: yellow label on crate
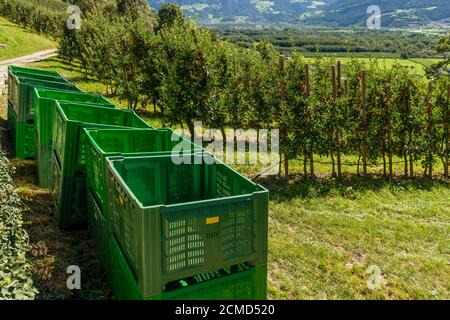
212	220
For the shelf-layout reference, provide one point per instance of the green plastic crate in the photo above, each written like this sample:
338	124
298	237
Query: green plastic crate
40	77
175	221
98	227
21	94
68	150
102	143
69	197
44	102
21	134
248	284
11	119
15	69
20	97
24	141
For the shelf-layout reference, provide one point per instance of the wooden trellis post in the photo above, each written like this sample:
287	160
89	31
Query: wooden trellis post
336	93
429	129
446	133
410	134
364	121
339	84
389	128
283	99
308	93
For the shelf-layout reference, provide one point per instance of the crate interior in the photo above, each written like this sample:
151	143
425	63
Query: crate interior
71	96
138	141
47	84
16	69
158	180
40	77
100	115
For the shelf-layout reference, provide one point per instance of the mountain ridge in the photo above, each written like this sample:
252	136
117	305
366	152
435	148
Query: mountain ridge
331	13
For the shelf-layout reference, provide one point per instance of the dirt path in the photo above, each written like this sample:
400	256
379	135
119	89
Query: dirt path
19	61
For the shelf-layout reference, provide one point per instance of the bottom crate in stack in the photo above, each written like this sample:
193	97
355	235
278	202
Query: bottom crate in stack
22	135
238	282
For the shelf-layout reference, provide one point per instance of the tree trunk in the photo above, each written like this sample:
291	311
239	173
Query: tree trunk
339	164
445	164
365	159
191	130
280	165
224	139
358	172
430	169
333	173
411	165
286	166
305	163
391	169
405	157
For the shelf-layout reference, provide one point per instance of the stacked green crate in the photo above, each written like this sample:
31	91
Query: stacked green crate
13	90
32	73
14	69
173	221
68	155
232	283
21	86
44	103
102	143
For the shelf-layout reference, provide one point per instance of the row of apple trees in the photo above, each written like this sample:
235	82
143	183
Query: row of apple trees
363	110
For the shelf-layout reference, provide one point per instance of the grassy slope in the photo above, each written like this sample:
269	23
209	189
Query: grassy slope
20	41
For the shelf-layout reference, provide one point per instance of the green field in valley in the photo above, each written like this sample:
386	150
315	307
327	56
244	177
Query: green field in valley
415	66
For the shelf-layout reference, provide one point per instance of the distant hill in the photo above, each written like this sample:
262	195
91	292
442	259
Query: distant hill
337	13
395	13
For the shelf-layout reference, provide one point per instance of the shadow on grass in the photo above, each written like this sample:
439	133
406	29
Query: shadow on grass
83	79
57	63
301	187
10	25
150	115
